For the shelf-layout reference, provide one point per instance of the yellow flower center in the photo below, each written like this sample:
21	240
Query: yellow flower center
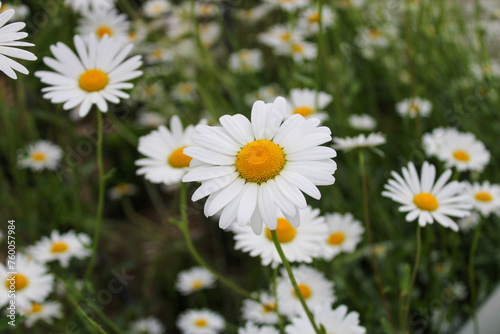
178	159
157	54
304	111
132	36
35	308
285	36
284	230
269	307
305	291
197	284
426	202
375	33
20	282
104	30
123	188
336	238
260	160
483	196
314	18
38	156
185	89
298	48
414	108
461	155
157	9
59	247
93	80
201	323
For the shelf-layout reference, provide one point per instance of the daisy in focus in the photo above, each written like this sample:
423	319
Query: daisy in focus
9	41
101	22
96	75
361	141
248	169
338	320
149	325
253	329
40	155
60	247
344	234
316	289
300	244
308	103
86	5
412	107
194	279
362	122
122	190
46	312
165	160
32	282
484	197
201	321
262	312
246	60
426	199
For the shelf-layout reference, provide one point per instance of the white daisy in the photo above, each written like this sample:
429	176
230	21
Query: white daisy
165	160
334	321
426	199
308	103
253	329
40	155
194	279
309	19
184	92
101	22
344	234
159	54
150	119
360	141
246	60
487	70
202	321
249	169
434	141
9	39
469	222
253	14
362	122
31	282
61	247
313	285
22	11
97	74
206	9
85	5
265	93
279	37
209	33
46	311
300	244
156	8
288	5
149	325
121	190
484	197
464	152
301	50
262	312
412	106
372	40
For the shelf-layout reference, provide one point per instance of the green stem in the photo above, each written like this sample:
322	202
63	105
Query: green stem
100	201
378	276
413	276
276	306
82	312
288	268
183	225
472	276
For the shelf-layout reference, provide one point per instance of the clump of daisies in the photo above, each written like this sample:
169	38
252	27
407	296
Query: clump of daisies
308	103
40	155
200	321
412	107
194	279
9	41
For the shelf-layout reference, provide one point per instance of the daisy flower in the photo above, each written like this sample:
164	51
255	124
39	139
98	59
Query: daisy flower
149	325
150	119
309	19
484	197
469	222
344	234
101	22
253	329
85	5
464	152
288	5
9	39
121	190
313	285
96	74
372	40
426	199
202	321
249	169
262	312
338	320
300	244
361	141
209	33
158	55
482	71
308	103
254	14
165	160
40	155
279	37
184	92
205	9
46	311
434	141
412	106
265	93
301	50
32	283
246	60
194	279
61	247
362	122
156	8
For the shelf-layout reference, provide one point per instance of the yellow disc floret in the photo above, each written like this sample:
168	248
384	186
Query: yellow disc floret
426	202
304	111
104	30
461	155
260	161
20	282
178	159
93	80
305	291
35	308
483	196
336	238
201	323
284	230
59	247
38	156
